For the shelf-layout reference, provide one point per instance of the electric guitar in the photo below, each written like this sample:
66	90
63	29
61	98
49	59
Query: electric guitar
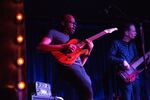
130	75
69	58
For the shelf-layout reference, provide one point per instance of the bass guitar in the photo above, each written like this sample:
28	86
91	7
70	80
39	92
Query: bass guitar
130	75
69	58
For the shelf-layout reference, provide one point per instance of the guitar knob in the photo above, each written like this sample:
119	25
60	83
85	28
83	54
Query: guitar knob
68	57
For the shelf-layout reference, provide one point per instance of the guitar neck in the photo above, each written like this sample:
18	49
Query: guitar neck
96	36
138	62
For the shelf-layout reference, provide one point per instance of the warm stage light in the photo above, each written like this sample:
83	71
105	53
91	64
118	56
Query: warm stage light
20	61
21	85
20	39
19	16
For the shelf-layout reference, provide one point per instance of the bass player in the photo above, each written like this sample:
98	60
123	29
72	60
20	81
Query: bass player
122	52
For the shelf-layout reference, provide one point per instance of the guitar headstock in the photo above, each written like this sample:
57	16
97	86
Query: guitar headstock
110	30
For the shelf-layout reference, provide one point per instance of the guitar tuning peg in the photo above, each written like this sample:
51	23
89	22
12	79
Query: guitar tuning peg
116	28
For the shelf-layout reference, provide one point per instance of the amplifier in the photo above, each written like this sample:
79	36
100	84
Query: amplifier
41	91
34	97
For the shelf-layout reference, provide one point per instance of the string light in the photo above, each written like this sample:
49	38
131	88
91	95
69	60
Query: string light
20	38
21	85
19	17
20	61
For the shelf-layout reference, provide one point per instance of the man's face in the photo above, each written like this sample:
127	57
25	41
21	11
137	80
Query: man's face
70	24
132	32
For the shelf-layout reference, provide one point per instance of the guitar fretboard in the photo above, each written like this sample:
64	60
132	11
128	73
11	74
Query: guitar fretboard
97	36
139	61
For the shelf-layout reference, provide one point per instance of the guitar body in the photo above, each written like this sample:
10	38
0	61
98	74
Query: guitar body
68	58
129	75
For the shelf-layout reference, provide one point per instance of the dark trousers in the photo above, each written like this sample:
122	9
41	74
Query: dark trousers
130	91
77	77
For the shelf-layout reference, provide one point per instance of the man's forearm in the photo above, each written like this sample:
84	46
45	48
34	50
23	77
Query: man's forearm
49	48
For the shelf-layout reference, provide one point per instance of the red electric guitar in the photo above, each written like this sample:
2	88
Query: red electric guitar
69	58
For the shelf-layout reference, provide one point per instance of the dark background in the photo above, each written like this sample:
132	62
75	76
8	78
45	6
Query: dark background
92	16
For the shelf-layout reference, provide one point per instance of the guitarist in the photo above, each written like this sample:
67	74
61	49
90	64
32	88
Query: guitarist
122	52
75	74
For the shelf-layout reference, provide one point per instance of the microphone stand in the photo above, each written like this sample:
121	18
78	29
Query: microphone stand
144	58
